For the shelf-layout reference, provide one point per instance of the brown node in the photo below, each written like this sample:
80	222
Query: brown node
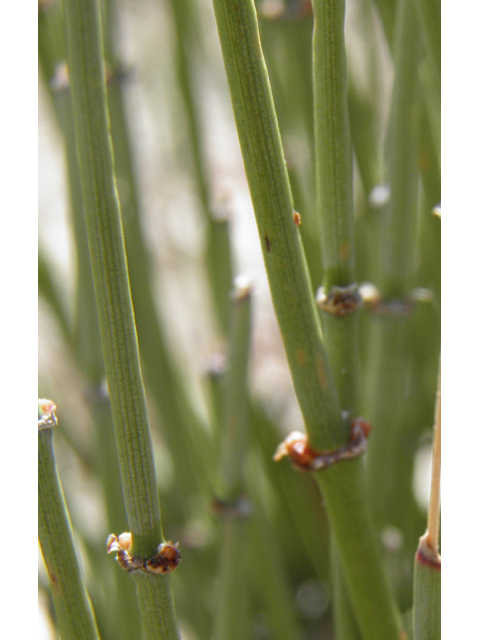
297	219
304	458
340	301
344	251
167	559
240	508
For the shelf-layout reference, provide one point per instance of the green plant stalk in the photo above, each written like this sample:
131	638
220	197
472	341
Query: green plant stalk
334	180
87	348
183	430
333	150
267	564
75	617
429	13
402	159
234	430
388	363
232	617
291	293
181	425
343	618
345	497
426	593
281	244
115	311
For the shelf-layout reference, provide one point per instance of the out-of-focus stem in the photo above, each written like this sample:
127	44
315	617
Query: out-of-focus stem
434	505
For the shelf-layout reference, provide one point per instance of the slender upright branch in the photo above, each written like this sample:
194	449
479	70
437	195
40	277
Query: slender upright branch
73	608
263	157
232	619
279	235
333	150
112	291
338	298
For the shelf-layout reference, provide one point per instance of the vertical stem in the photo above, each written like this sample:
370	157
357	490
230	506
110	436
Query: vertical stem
434	505
334	179
262	151
280	239
115	311
232	619
334	169
388	363
75	616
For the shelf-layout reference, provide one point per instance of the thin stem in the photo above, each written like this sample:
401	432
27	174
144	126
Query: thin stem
262	151
75	617
112	291
234	429
232	618
386	376
334	179
402	161
434	506
280	239
333	150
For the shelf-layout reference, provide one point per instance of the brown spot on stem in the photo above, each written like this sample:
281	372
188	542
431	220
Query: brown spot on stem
321	373
297	218
345	251
424	160
301	357
267	243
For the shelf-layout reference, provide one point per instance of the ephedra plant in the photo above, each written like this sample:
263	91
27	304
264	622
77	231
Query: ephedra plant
234	509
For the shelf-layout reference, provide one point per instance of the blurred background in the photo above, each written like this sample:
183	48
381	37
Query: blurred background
167	74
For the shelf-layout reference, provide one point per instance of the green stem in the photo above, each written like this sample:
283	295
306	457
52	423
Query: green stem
232	618
343	617
341	484
270	574
426	593
402	160
334	170
334	178
75	617
388	363
281	244
112	290
234	436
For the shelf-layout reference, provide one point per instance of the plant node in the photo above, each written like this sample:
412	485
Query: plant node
341	301
240	508
304	458
167	559
46	414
